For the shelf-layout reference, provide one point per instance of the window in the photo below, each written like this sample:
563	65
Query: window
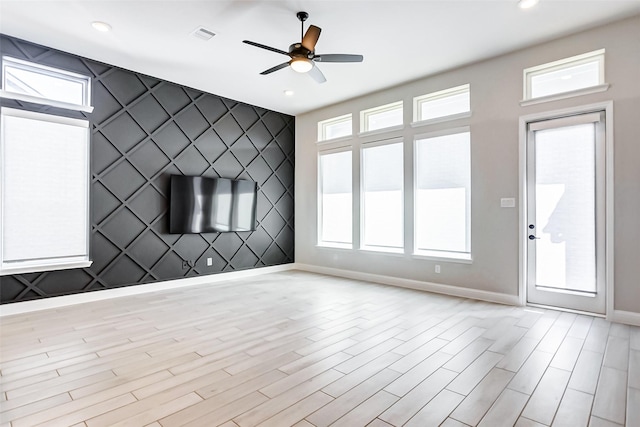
451	103
45	191
443	195
382	197
335	217
337	127
37	83
44	171
566	75
385	116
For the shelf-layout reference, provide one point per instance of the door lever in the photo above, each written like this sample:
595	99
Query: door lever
532	237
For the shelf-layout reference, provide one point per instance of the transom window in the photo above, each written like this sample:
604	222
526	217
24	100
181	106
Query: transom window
41	84
336	127
565	75
385	116
449	103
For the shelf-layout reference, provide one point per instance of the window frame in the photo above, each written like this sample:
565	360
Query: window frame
434	254
44	264
420	101
324	124
372	248
85	81
365	115
549	67
319	241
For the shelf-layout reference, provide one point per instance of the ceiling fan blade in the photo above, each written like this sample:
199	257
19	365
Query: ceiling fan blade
311	37
276	68
338	57
261	46
317	75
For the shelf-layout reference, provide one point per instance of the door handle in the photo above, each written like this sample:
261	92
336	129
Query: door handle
532	237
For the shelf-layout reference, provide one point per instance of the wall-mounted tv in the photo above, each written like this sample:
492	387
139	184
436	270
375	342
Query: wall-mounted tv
210	205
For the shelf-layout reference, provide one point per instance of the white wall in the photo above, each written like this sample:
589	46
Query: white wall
496	89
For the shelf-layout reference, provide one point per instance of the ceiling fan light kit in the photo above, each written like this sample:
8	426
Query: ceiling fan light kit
303	55
301	65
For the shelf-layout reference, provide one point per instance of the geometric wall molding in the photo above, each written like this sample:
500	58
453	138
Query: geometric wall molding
143	130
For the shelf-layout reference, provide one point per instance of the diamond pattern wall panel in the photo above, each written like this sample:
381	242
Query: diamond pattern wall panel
144	130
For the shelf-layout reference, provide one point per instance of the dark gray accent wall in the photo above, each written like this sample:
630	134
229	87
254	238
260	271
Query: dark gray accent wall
142	131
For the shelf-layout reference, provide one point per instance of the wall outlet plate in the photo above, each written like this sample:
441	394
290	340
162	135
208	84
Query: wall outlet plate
508	202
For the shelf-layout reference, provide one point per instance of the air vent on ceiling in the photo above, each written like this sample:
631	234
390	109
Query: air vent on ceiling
203	34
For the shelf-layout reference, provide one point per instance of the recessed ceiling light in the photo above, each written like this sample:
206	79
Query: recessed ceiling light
101	26
288	92
526	4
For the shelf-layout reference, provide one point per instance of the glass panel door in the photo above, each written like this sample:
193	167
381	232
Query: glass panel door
566	213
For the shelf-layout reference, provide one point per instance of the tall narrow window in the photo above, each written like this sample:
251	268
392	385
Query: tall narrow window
335	225
44	170
383	201
443	196
45	192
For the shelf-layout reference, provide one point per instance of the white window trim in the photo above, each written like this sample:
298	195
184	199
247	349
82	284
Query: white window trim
323	124
434	254
62	263
323	243
371	248
419	100
8	61
365	114
528	73
450	118
565	95
459	257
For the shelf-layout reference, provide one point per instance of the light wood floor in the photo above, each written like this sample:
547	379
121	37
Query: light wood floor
307	350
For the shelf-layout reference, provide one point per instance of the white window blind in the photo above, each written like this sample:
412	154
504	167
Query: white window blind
383	197
44	192
443	195
335	227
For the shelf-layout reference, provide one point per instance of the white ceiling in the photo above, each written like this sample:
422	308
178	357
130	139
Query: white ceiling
400	40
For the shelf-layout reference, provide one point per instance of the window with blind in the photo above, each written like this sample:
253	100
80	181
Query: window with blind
335	204
443	195
383	197
44	188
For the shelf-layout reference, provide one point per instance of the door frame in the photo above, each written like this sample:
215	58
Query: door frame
607	108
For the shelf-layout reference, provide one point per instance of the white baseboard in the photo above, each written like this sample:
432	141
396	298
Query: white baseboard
414	284
66	300
627	317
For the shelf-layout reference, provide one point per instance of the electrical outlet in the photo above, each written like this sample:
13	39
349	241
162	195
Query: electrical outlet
209	262
437	268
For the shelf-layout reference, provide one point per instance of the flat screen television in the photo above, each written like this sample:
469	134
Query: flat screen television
210	205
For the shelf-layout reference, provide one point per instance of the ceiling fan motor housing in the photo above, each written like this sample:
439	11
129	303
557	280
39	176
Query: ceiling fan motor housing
296	50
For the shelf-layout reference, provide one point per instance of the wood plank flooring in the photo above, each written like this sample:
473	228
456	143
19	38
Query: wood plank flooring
300	349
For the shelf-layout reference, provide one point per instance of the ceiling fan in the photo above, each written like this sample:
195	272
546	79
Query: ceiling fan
303	55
